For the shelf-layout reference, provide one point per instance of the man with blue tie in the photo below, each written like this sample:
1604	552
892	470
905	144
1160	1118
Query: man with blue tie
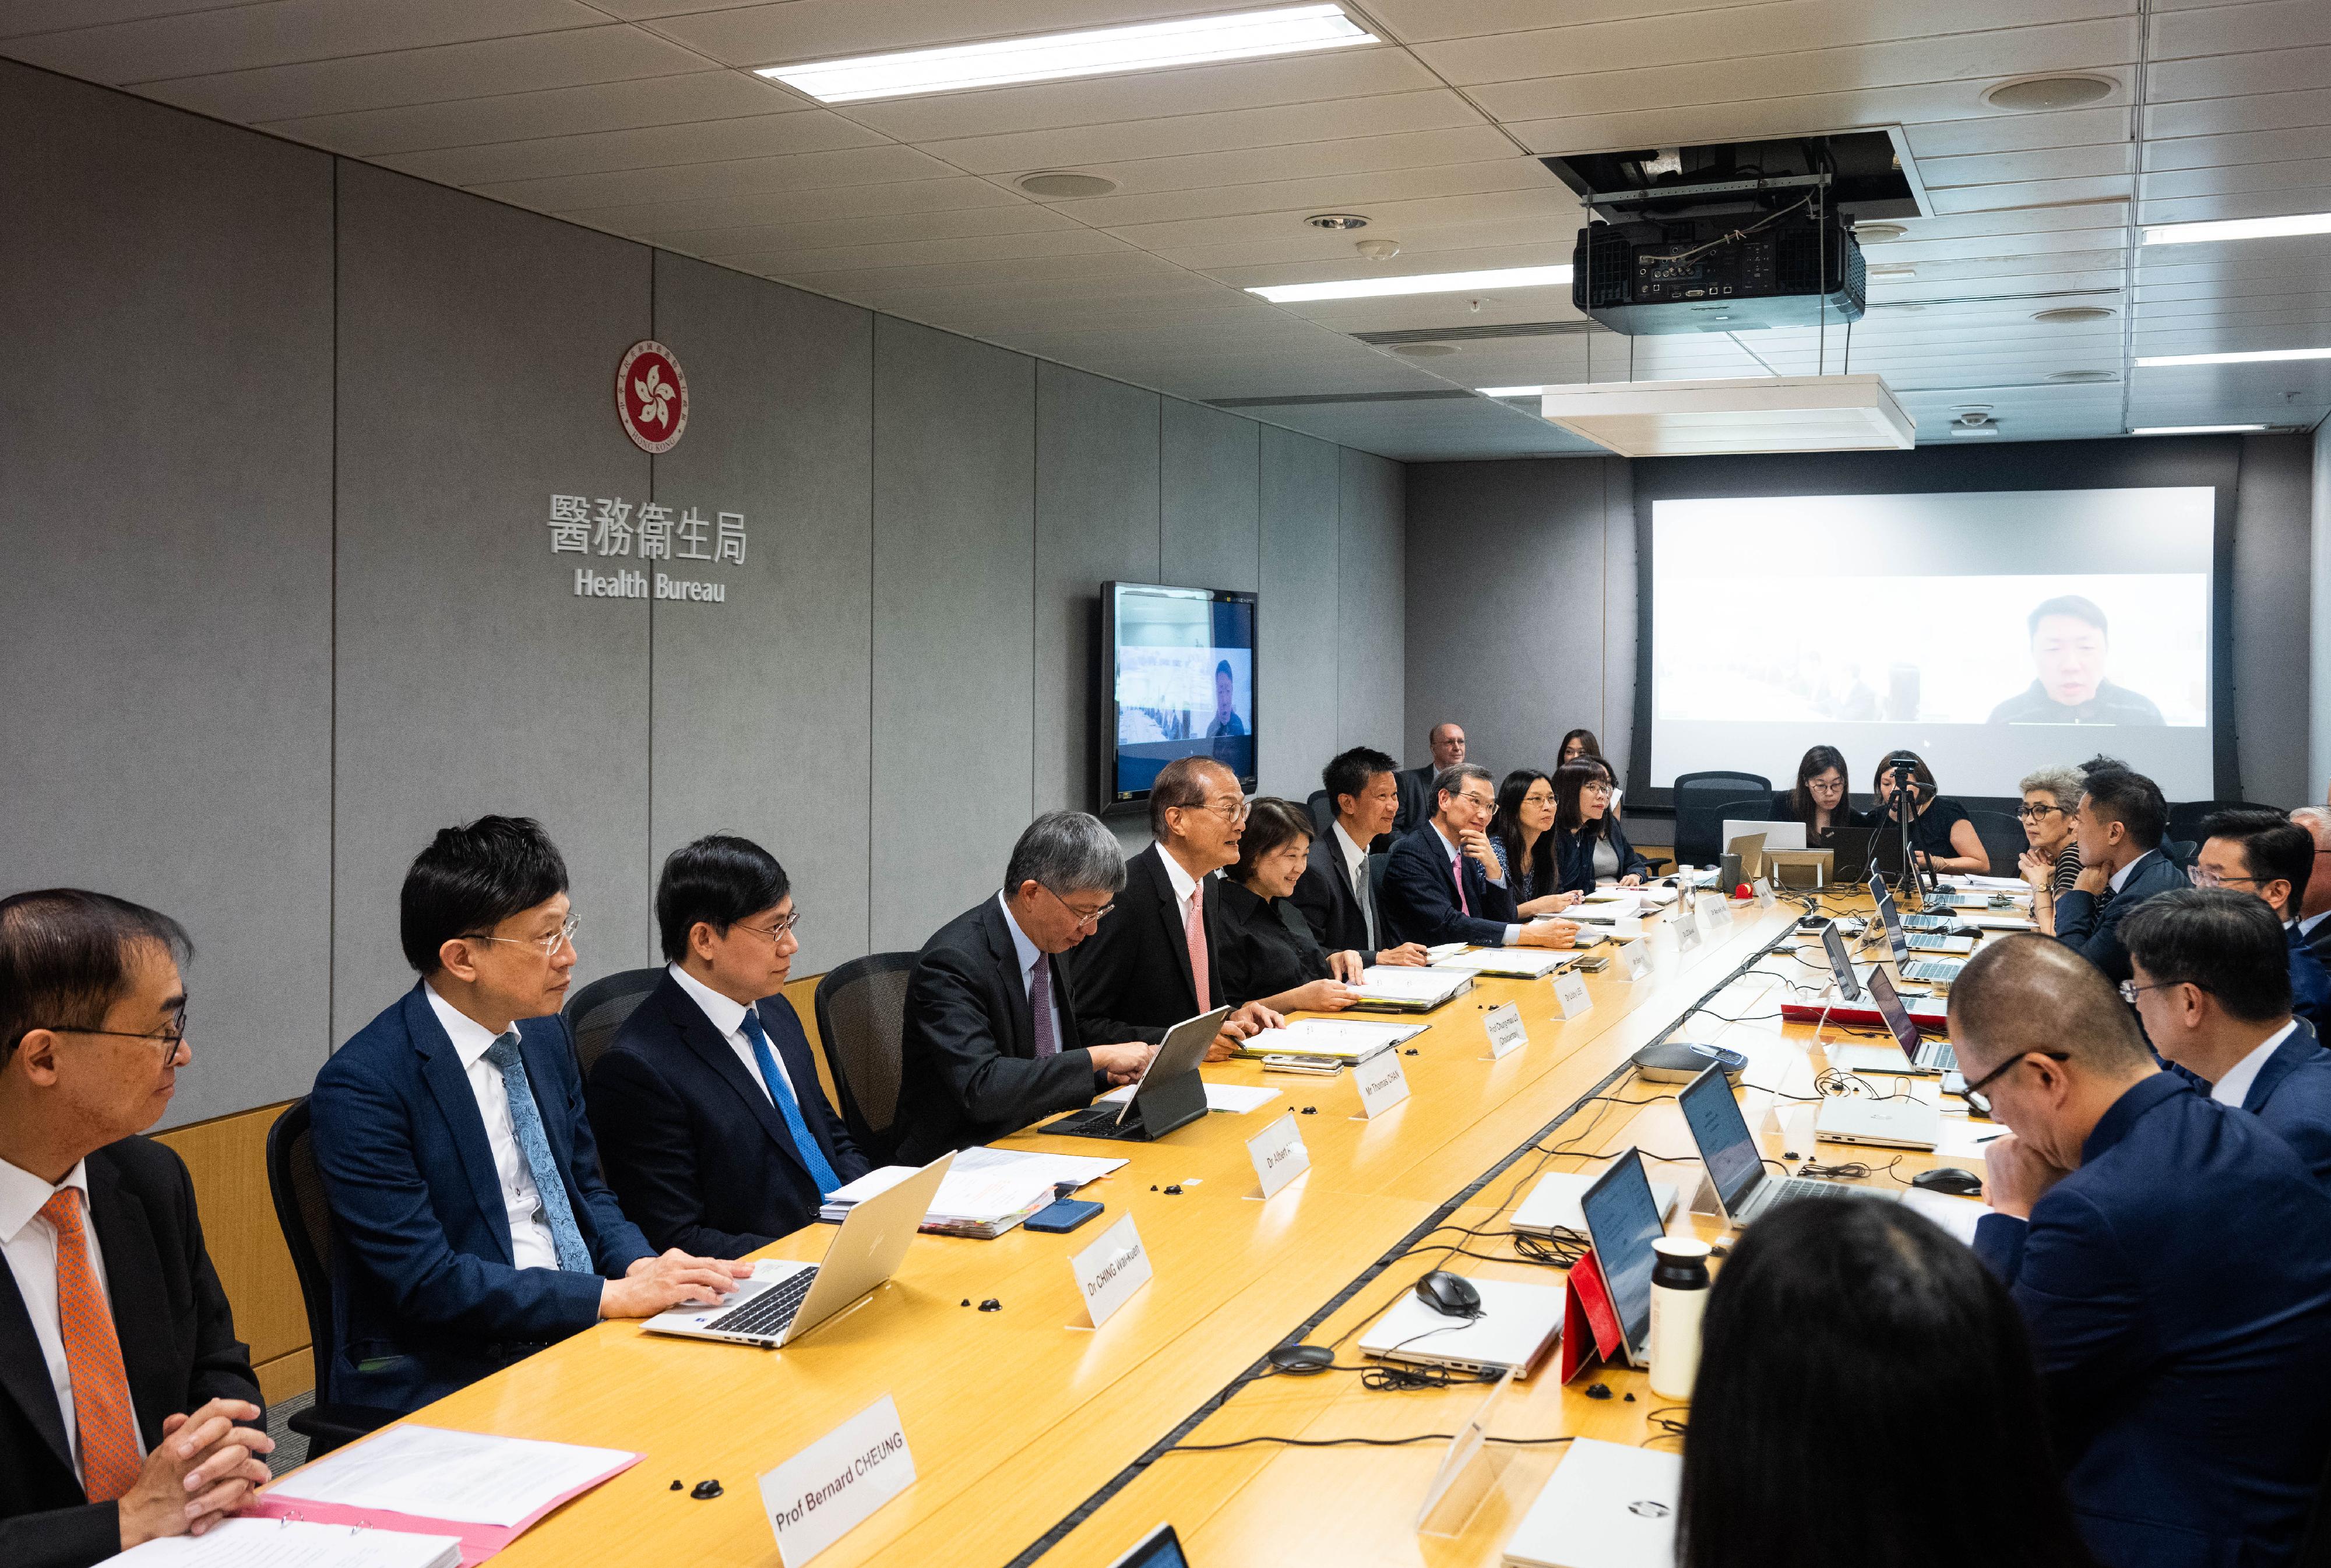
2213	986
464	1185
1443	882
2172	1259
717	1136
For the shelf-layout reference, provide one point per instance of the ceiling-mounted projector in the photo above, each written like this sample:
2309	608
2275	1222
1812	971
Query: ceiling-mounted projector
1725	272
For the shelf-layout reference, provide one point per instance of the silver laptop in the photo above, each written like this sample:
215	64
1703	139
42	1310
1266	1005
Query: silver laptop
1910	1052
1897	1122
1518	1325
1735	1168
1555	1205
785	1298
1623	1220
1938	971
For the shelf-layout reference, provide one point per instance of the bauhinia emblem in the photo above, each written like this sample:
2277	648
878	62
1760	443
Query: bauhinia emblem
651	396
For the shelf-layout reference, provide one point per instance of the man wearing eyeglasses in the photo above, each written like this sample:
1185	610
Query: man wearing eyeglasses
716	1138
2315	902
2266	854
127	1408
462	1173
2172	1260
996	1037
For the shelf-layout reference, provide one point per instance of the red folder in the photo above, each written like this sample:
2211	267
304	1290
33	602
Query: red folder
1590	1324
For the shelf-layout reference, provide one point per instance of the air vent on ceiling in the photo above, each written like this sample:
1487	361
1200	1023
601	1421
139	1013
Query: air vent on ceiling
1476	334
1299	400
1059	185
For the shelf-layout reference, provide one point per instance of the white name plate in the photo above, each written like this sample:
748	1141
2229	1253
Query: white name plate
1634	961
1279	1154
1765	900
835	1484
1571	996
1381	1083
1715	909
1111	1270
1688	933
1507	1032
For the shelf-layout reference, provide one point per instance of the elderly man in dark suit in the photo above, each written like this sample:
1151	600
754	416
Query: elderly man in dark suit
995	1036
127	1407
1444	883
1447	744
2172	1259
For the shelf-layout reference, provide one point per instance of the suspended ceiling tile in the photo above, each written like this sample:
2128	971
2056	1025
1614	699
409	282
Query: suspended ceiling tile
611	106
661	148
287	31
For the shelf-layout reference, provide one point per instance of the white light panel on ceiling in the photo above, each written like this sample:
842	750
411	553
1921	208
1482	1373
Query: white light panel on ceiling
1690	418
1417	284
1058	56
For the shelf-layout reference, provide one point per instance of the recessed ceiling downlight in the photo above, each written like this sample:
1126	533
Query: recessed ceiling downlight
1426	350
2081	375
1055	184
2066	315
1338	221
2045	92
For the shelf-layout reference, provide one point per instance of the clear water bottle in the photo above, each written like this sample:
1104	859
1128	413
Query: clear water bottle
1679	1283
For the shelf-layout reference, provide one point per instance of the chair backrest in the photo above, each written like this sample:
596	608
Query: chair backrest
1322	811
305	1215
2003	839
1700	803
596	1012
2186	817
862	1017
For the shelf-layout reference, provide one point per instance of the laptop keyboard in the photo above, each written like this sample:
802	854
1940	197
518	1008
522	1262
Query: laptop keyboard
770	1312
1789	1189
1098	1122
1926	923
1938	971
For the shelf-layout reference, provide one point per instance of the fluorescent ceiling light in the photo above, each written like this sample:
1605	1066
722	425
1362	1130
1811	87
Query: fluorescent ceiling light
1055	56
2249	356
2238	228
2195	429
1974	430
1510	391
1417	284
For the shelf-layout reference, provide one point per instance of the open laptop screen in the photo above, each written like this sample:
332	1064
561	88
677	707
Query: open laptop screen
1623	1219
1722	1134
1841	962
1897	1016
1891	917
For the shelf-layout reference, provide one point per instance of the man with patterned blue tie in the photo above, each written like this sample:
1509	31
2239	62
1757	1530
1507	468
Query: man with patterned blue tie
717	1136
473	1225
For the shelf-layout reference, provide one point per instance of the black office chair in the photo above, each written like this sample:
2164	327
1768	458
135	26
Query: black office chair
2314	1545
2003	839
1322	811
596	1011
301	1209
2186	817
1700	802
862	1017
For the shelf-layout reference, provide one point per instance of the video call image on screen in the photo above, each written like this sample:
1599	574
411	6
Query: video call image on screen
1992	633
1183	681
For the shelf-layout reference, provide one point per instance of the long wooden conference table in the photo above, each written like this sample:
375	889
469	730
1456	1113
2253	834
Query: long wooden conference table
1035	1438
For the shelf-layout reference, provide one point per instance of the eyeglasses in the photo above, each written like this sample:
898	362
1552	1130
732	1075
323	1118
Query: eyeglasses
2130	990
2034	811
1093	920
170	1039
547	946
2202	878
1598	787
1995	1074
777	934
1235	813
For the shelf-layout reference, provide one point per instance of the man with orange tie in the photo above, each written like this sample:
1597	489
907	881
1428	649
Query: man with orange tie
127	1408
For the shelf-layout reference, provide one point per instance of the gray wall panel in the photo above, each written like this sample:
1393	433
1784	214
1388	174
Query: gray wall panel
166	515
1371	676
2319	620
1096	521
954	622
477	350
1298	597
1616	727
1208	525
2271	524
761	722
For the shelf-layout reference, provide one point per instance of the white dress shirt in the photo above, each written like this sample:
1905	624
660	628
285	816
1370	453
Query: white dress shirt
1457	869
1029	953
728	1020
2119	878
1355	857
2235	1086
2306	926
30	1244
531	1246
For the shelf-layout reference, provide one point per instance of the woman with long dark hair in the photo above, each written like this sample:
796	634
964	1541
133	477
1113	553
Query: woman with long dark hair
1836	1315
1521	834
1578	743
1819	800
1589	842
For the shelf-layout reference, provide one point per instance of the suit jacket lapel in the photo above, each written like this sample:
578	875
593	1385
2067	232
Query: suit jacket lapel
25	1371
1006	952
1177	937
441	1069
696	1031
2280	1064
133	1276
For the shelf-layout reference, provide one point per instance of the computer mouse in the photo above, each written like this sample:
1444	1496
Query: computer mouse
1450	1295
1949	1179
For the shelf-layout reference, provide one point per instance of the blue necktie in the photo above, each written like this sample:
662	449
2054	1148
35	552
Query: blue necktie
549	1186
789	1107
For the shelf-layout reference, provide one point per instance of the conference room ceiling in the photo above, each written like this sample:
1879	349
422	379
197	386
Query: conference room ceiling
641	117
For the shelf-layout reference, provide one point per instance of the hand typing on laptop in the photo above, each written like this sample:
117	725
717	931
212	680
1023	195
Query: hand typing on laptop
2017	1176
653	1285
1123	1063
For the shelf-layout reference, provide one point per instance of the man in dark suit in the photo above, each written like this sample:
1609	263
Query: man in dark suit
463	1176
1155	963
1443	882
2172	1259
994	1038
1447	744
2315	903
127	1407
716	1134
2122	819
1337	894
2213	987
2263	852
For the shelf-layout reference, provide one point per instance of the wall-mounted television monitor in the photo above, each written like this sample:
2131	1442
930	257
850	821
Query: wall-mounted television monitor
1176	678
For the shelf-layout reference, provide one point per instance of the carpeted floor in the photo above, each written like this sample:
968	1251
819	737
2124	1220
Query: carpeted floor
290	1447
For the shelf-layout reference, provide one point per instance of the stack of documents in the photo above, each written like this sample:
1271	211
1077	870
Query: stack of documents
1231	1098
1389	989
987	1192
247	1543
1657	896
1329	1038
1519	963
1988	884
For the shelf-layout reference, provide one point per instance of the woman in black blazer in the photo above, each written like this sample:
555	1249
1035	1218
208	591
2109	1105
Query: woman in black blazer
1263	945
1941	834
1819	800
1589	842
